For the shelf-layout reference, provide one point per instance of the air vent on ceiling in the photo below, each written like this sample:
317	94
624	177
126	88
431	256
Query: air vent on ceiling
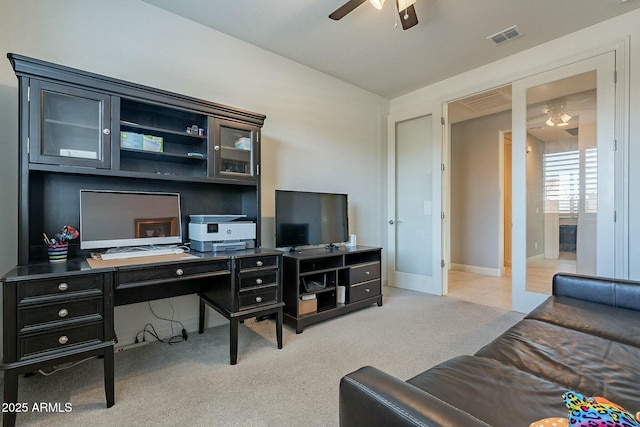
487	100
572	131
505	35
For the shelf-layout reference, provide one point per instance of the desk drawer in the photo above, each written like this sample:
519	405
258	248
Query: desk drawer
364	290
61	286
258	278
59	313
61	339
169	272
364	272
260	296
258	262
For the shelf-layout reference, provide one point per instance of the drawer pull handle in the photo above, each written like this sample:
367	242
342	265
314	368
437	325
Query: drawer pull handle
367	273
258	281
63	286
259	263
367	290
63	313
258	299
179	272
63	339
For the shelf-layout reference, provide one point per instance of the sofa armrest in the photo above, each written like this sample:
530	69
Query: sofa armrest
370	397
601	290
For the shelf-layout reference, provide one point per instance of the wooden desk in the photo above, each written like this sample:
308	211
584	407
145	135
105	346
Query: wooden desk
59	313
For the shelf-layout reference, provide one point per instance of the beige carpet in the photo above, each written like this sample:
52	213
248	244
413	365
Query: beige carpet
192	384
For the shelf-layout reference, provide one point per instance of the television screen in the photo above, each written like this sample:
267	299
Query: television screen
111	219
307	218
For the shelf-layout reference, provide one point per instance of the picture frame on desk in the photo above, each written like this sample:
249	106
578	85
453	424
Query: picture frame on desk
156	227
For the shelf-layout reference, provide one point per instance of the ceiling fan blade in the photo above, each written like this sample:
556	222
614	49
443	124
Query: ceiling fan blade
408	17
343	10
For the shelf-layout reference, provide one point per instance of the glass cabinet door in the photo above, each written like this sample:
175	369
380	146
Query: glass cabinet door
235	148
69	126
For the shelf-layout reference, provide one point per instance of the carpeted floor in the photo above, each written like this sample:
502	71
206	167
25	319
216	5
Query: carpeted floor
192	384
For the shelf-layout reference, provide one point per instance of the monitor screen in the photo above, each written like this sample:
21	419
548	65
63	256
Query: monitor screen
307	218
127	218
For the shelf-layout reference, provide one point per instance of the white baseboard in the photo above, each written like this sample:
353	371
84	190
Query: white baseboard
485	271
535	258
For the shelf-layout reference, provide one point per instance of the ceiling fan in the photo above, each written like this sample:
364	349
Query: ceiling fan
405	9
556	112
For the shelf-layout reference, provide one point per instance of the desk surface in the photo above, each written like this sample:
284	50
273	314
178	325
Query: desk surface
80	265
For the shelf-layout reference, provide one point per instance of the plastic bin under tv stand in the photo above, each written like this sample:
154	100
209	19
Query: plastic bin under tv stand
357	268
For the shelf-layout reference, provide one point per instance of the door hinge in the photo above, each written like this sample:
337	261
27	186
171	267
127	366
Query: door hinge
442	167
442	121
615	216
441	215
28	93
258	170
442	263
615	76
28	145
615	145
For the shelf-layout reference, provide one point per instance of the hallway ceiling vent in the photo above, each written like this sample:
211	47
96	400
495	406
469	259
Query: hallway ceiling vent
488	100
572	132
505	35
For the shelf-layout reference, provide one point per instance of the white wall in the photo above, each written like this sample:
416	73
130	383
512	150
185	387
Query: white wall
622	29
475	192
320	134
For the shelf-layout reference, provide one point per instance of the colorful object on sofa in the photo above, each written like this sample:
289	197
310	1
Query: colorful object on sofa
596	412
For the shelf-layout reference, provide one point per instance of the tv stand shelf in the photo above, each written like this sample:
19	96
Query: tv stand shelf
356	270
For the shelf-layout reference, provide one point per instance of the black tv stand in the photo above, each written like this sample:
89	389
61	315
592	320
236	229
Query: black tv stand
353	271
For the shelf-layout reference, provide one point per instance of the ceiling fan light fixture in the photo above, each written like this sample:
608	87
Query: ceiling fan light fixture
565	118
377	3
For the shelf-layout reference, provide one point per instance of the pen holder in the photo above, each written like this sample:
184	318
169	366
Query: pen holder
58	252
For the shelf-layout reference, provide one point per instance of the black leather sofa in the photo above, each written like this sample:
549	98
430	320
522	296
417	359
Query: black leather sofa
584	338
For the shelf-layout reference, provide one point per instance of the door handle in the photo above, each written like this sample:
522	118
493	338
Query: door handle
394	222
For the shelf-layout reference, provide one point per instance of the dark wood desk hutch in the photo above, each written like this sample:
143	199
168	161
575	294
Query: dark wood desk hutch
70	125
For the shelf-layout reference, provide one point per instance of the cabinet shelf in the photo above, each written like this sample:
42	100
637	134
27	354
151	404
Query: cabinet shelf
319	291
70	124
187	137
161	156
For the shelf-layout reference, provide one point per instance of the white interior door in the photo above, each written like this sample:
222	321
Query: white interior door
414	224
563	177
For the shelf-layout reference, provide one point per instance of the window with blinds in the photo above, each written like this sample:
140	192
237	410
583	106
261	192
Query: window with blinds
591	180
563	187
562	183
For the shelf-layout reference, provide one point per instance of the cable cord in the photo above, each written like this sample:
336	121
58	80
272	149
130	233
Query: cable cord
174	338
58	368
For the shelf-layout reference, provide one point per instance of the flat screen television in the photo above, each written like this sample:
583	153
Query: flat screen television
308	218
110	219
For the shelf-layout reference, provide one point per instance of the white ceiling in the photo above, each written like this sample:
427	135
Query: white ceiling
366	50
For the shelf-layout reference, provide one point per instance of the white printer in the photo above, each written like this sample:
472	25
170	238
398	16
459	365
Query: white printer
221	233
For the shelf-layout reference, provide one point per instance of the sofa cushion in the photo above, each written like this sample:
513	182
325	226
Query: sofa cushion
613	292
596	319
578	361
497	394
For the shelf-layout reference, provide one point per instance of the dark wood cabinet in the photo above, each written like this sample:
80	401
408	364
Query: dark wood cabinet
320	284
253	289
236	150
68	125
80	130
54	315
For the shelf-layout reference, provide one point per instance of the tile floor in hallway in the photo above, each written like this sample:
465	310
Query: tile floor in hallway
496	291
